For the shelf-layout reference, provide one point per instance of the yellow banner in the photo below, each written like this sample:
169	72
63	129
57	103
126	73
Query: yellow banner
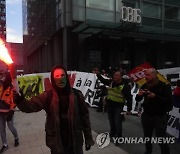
31	85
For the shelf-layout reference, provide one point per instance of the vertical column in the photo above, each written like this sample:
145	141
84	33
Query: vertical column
65	47
57	50
67	20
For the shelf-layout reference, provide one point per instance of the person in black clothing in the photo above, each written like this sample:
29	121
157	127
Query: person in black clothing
157	102
118	93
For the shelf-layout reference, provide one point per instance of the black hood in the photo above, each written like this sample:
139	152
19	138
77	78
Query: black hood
67	88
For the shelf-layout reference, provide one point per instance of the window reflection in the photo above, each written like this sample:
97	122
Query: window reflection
152	10
172	13
99	15
133	4
79	2
159	1
101	4
172	2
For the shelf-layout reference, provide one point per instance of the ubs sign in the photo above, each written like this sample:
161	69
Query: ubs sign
129	14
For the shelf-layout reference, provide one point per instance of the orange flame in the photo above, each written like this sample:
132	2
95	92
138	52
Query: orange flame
4	54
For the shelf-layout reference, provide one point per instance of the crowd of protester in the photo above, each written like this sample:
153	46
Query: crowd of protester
68	120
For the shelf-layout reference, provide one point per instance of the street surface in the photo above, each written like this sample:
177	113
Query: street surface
31	132
131	128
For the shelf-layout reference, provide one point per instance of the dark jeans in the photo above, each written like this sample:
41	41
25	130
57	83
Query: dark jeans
115	120
159	124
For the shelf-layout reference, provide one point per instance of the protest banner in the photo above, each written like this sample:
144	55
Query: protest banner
173	127
34	84
137	74
87	83
171	74
31	85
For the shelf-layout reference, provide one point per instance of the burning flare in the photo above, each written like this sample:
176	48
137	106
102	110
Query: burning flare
4	54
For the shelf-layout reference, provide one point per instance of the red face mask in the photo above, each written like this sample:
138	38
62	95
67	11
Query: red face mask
59	78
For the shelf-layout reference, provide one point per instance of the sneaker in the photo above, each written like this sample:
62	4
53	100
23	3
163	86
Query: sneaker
4	148
16	142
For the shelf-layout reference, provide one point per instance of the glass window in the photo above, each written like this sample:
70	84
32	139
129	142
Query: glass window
151	22
152	10
159	1
79	10
172	13
133	4
119	4
172	25
172	2
100	15
78	13
101	4
79	2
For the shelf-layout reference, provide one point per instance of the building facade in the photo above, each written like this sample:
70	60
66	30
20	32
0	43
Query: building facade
3	19
16	51
82	34
3	66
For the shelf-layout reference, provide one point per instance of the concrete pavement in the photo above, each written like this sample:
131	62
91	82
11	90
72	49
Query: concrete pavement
30	127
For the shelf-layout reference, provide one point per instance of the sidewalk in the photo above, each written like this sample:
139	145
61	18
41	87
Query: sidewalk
30	127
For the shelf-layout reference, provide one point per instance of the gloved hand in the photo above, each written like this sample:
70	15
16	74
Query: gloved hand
87	147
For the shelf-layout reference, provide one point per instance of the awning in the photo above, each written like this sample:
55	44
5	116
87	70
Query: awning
95	26
125	29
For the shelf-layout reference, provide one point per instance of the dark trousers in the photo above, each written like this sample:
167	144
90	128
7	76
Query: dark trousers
159	124
68	150
115	120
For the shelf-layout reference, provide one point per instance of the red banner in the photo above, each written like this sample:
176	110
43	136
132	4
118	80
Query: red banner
138	76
